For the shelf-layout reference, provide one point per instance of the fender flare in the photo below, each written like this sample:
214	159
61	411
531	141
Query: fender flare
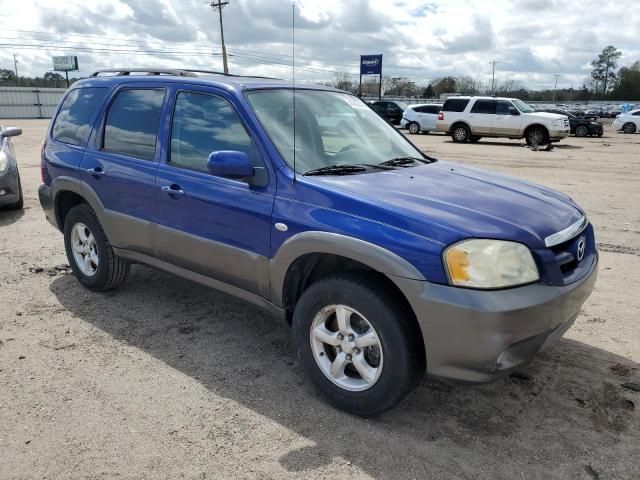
374	256
70	184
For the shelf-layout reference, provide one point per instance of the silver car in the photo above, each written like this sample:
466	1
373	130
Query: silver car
10	188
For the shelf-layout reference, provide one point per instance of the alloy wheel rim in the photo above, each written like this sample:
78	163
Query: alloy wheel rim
85	250
413	128
460	134
535	137
346	347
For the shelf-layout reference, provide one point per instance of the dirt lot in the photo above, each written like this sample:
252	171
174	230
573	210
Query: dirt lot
166	379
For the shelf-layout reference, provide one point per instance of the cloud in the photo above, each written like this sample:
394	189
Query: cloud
480	37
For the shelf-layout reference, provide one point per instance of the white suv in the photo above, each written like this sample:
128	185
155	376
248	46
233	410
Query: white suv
467	119
420	118
628	122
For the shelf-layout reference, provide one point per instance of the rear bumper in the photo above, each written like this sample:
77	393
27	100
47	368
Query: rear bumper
477	336
9	186
46	201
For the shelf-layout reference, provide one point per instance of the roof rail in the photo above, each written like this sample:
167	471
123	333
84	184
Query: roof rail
148	71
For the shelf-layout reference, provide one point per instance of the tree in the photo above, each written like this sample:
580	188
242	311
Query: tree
7	77
429	92
628	84
604	67
468	85
341	80
53	78
444	85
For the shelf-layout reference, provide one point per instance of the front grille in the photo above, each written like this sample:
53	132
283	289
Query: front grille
562	265
566	123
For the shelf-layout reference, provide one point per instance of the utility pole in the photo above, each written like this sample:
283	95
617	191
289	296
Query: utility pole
555	85
15	66
218	5
493	76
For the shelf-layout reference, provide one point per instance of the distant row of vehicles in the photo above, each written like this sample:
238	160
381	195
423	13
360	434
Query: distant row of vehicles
469	118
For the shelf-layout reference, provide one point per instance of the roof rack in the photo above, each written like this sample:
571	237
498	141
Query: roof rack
179	72
148	71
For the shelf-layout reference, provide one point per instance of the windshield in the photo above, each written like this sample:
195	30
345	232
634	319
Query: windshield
402	105
331	129
523	107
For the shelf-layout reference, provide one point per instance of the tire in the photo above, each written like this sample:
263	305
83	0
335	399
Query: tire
414	128
398	342
460	133
537	136
600	134
109	270
629	127
582	131
19	205
475	138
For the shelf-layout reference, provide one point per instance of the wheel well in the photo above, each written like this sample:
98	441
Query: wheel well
312	267
458	124
65	201
535	125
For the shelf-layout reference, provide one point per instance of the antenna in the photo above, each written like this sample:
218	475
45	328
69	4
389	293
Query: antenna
293	81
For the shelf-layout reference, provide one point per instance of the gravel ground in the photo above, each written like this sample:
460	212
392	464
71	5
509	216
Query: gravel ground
166	379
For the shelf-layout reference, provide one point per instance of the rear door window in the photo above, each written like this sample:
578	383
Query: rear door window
131	127
486	107
455	105
502	107
73	122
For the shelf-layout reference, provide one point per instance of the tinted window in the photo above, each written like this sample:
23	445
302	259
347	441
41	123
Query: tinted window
132	123
455	105
433	109
203	124
72	123
502	107
484	107
637	114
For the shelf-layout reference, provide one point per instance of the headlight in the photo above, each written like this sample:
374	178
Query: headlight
556	123
488	264
4	161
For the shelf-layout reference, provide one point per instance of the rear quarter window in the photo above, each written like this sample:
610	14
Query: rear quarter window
455	105
73	122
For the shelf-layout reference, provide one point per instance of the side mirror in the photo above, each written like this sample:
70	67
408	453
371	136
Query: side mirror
513	111
230	164
10	132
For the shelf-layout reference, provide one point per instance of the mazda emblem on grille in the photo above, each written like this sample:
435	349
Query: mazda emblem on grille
581	246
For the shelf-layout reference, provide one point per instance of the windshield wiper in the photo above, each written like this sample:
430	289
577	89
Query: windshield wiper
399	161
336	170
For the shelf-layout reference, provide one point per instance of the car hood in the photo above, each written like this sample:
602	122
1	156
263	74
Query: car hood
469	201
552	116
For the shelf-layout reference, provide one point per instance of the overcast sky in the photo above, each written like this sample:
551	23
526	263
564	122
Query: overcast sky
422	40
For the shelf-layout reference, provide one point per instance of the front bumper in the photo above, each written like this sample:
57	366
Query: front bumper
617	124
559	134
9	186
404	122
477	336
46	201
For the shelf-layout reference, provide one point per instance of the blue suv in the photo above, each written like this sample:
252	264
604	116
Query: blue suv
387	262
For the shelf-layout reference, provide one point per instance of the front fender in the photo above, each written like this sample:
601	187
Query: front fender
374	256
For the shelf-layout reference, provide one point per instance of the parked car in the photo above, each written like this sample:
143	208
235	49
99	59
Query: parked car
579	126
11	196
421	118
468	119
628	122
386	261
390	109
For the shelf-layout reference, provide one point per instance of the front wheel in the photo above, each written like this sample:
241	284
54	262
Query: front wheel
89	252
629	127
414	128
581	131
537	136
359	347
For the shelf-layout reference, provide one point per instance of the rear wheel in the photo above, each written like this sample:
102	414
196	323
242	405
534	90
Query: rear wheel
537	136
414	128
357	345
460	133
629	127
89	252
582	131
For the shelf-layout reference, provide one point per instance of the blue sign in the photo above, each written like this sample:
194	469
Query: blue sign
370	64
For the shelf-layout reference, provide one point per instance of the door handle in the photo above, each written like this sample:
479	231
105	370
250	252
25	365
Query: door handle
174	191
96	172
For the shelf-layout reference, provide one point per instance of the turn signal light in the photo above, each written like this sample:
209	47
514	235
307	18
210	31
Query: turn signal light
440	116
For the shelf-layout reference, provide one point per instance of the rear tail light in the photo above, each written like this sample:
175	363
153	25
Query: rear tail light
440	116
43	164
